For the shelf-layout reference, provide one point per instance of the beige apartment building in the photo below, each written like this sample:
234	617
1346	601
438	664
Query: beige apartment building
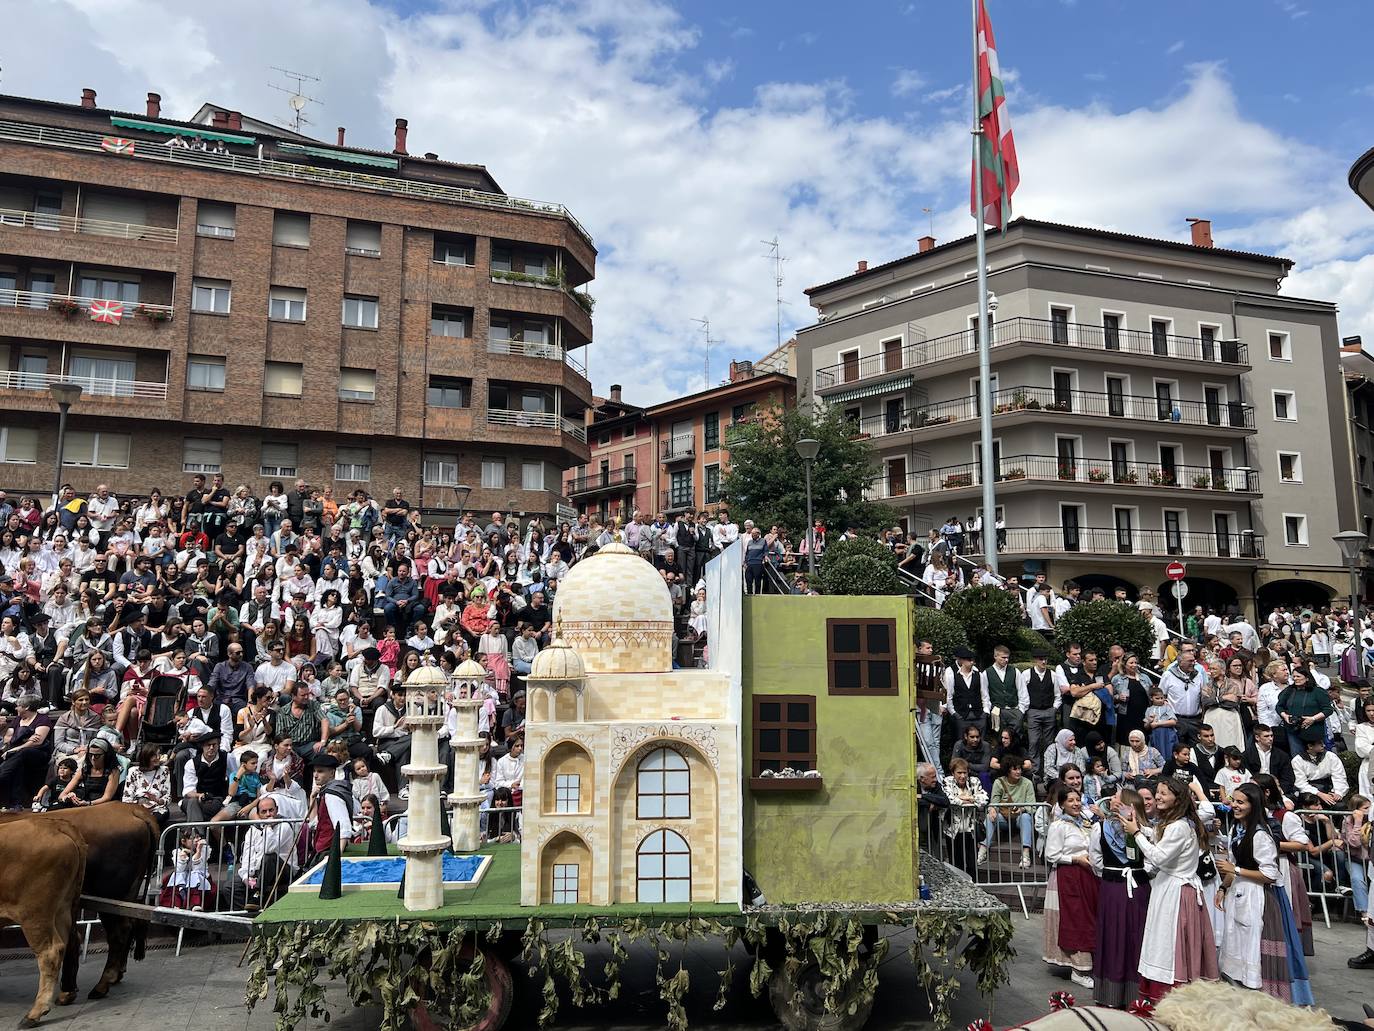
1152	401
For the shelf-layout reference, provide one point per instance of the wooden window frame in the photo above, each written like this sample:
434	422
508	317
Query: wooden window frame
864	657
784	757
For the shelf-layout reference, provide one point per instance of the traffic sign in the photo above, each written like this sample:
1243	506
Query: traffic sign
1175	571
1180	589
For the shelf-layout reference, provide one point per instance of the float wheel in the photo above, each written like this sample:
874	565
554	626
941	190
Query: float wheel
798	1000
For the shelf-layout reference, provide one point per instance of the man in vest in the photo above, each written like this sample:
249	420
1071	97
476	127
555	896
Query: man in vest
1042	704
930	703
1006	692
1069	674
330	810
205	781
370	680
966	692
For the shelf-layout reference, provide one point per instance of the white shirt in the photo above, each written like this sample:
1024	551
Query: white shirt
982	685
1305	772
190	783
1212	624
102	513
275	677
724	534
1266	709
1249	638
1037	607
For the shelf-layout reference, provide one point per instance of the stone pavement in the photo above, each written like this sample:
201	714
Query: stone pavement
202	990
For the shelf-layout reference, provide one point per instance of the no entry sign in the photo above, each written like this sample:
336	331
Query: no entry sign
1175	571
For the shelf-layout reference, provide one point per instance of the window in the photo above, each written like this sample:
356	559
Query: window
441	470
204	372
663	786
567	793
210	295
711	484
453	250
663	868
741	412
449	392
363	239
286	303
357	384
1159	336
214	219
18	444
98	285
1124	518
531	475
353	463
565	878
1290	467
449	322
849	366
515	399
784	733
202	455
627	433
527	263
1280	347
711	431
532	333
291	230
101	450
680	489
1285	405
1111	331
278	460
1295	530
360	312
493	472
861	656
282	378
1059	325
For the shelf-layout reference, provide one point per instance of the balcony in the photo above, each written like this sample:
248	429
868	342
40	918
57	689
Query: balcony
1153	348
1132	543
89	226
595	483
536	420
679	449
69	306
674	501
537	349
1070	474
92	388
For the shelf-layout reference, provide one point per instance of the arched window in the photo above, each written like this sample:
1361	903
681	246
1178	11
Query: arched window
663	868
664	786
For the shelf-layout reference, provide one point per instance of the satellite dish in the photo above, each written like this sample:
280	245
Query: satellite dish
297	102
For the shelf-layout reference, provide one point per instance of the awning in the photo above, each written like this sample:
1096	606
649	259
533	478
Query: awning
871	390
181	130
352	157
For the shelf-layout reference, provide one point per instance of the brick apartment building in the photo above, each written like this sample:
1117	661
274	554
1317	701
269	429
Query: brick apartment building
268	305
673	456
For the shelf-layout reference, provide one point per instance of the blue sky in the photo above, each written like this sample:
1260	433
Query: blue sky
683	134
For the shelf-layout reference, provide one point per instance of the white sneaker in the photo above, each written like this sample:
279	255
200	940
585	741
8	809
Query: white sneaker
384	758
1025	859
404	793
982	855
1082	980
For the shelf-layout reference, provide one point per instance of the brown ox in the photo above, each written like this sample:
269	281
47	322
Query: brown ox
42	867
121	842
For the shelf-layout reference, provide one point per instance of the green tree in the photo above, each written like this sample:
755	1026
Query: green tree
1097	625
944	632
990	616
765	481
858	566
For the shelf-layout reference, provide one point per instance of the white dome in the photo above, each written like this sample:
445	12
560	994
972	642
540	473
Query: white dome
614	609
470	670
557	663
427	676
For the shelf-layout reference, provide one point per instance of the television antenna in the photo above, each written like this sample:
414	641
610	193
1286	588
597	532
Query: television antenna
775	256
705	324
297	98
930	219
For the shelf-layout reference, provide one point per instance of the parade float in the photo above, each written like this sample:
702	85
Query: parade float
766	801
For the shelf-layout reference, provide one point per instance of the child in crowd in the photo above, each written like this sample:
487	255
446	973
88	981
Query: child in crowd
246	783
367	784
1232	774
188	885
50	794
1162	722
1100	783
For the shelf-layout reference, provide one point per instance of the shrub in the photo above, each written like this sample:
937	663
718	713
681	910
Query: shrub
859	574
945	632
989	615
1097	625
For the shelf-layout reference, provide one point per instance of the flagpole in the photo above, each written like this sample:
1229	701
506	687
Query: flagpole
989	534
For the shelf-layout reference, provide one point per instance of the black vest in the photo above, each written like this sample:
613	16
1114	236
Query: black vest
1002	690
1041	689
44	647
212	778
1074	676
211	718
968	696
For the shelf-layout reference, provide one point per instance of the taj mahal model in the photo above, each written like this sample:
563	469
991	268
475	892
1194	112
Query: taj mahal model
632	769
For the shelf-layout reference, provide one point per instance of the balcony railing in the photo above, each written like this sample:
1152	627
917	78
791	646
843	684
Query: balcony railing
69	305
577	429
1051	401
1025	330
536	349
1053	469
152	150
91	386
91	226
678	449
678	500
602	481
1109	540
535	420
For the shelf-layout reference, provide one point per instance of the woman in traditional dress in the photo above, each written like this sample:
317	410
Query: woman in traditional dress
1067	853
1260	947
1123	902
1292	840
1223	698
1178	946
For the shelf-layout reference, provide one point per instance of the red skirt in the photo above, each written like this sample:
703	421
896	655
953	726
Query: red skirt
1077	909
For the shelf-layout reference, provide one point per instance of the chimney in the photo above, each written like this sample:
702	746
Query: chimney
615	393
741	370
924	244
220	120
863	267
341	135
431	156
1202	232
401	126
88	97
1352	343
154	106
234	120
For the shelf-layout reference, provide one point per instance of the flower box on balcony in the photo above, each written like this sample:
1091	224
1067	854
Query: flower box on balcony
153	315
1014	474
1202	482
958	480
1068	472
1127	476
1031	405
1058	406
1004	409
1160	478
1097	475
1219	483
939	420
64	306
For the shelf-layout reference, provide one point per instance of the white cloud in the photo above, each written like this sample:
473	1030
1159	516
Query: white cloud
906	82
1175	47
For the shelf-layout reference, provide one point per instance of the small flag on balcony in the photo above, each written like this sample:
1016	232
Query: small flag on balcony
117	145
107	311
996	161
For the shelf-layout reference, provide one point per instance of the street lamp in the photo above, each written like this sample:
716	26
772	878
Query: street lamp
461	492
1351	543
65	394
807	450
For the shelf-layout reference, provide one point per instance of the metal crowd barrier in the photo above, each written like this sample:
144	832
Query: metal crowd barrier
964	830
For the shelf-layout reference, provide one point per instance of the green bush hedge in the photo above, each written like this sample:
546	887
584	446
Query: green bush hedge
989	615
858	566
1097	625
945	632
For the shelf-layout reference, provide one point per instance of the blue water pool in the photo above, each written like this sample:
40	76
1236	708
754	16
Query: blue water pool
387	870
